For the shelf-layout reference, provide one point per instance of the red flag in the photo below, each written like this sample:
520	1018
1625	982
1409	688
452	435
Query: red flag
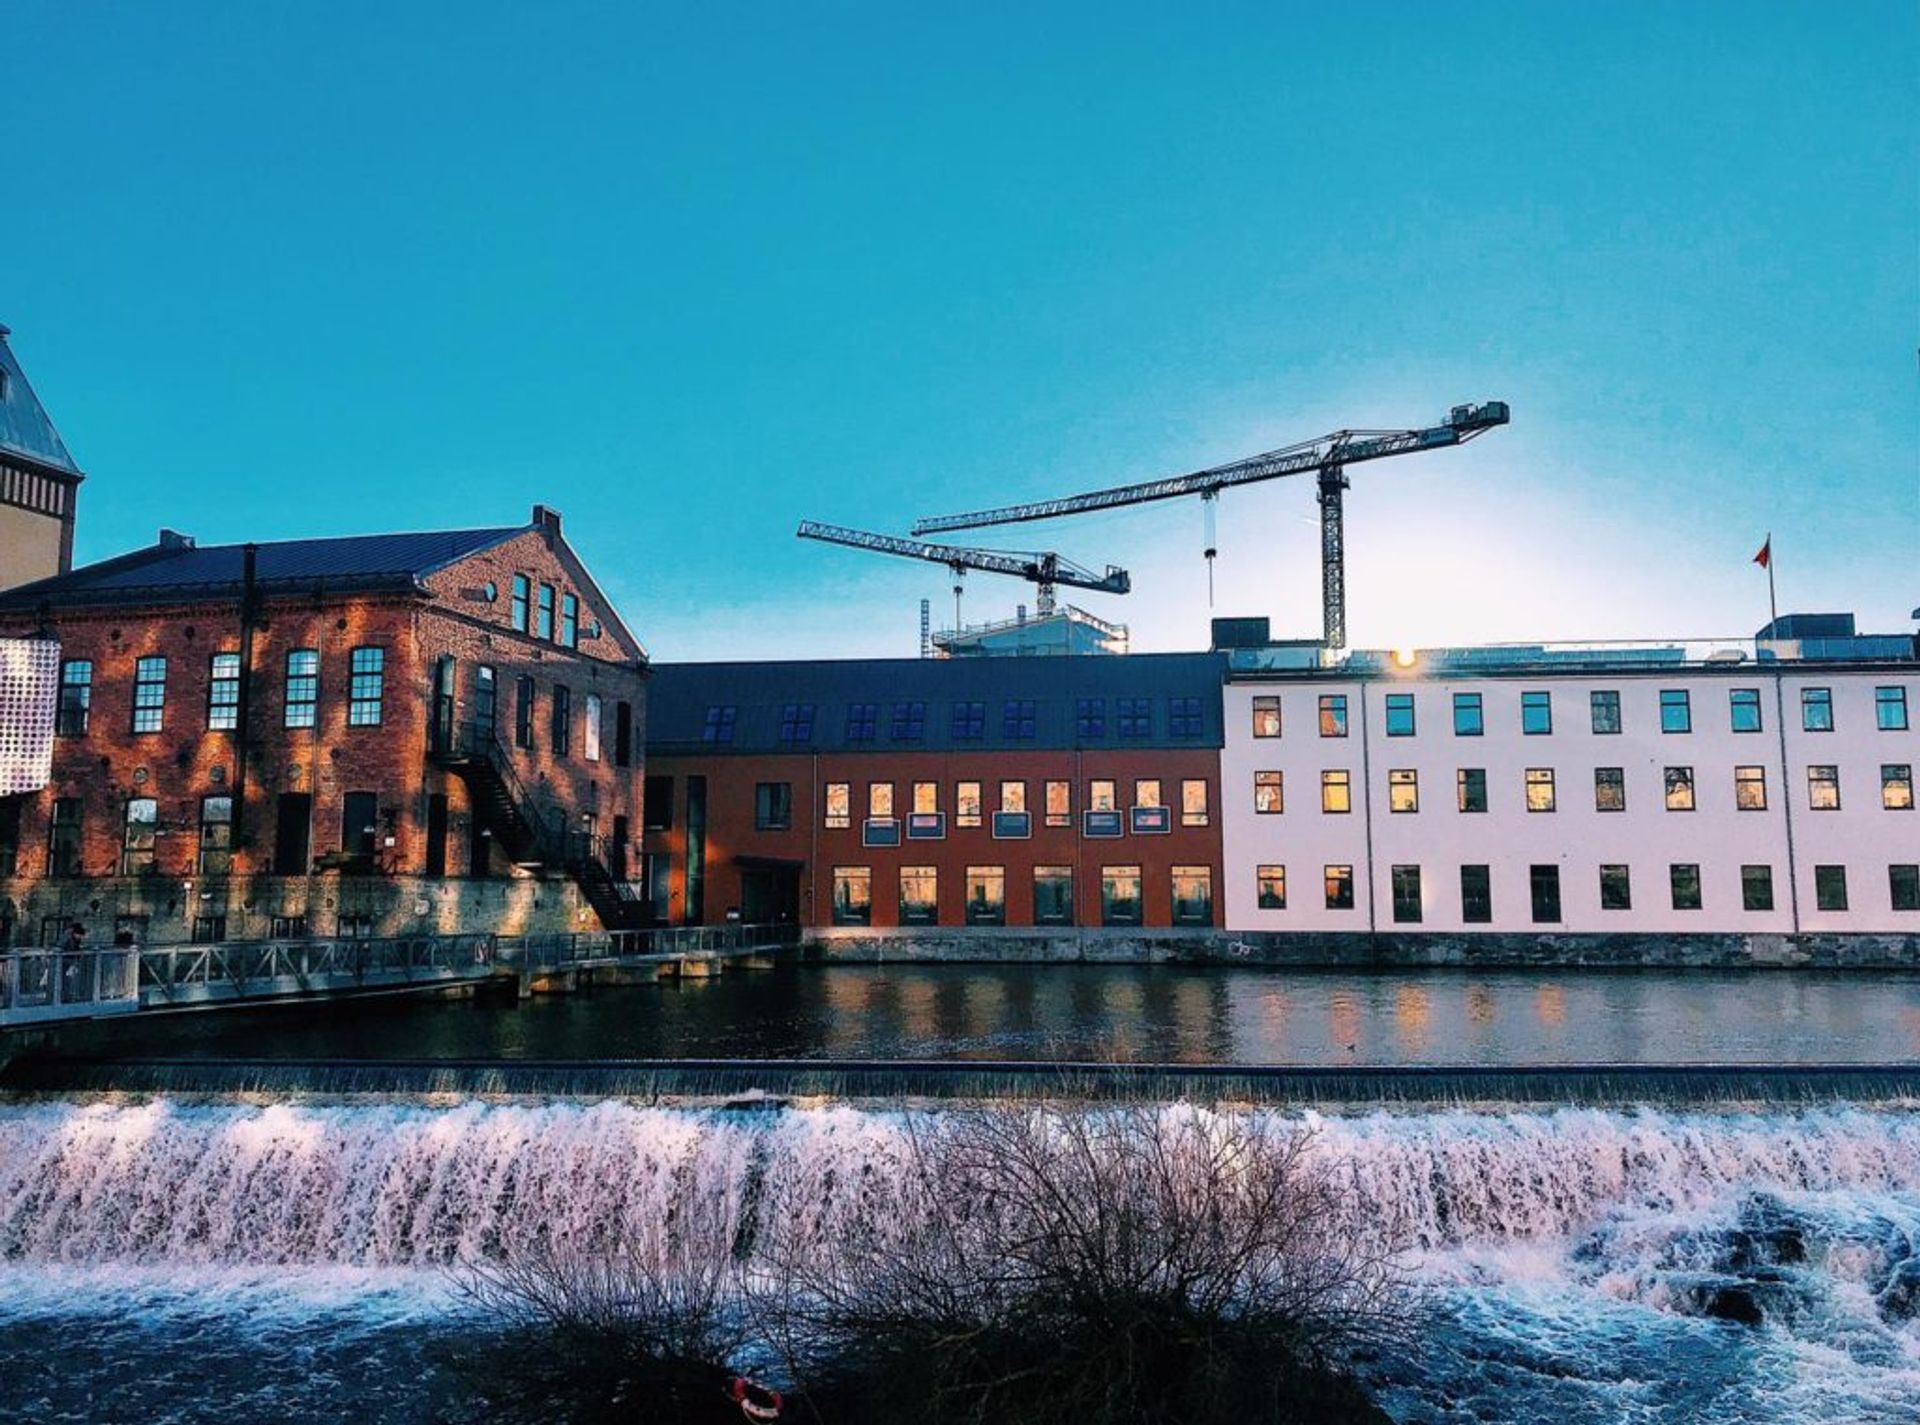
1765	557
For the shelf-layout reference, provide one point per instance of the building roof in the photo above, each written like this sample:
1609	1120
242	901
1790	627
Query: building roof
25	428
952	696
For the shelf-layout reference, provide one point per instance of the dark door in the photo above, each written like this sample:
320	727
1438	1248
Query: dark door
292	834
617	860
443	703
770	895
437	834
479	846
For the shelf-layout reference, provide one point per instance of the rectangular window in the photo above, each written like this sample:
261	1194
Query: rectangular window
1750	788
1184	718
1053	895
216	836
1102	795
1268	794
1616	888
852	895
863	720
136	847
986	895
1544	883
772	806
1060	803
1120	895
1333	714
839	804
1609	789
656	804
1890	709
560	720
1823	788
1090	717
1676	710
1816	709
76	698
223	692
570	620
909	721
1903	885
149	694
1756	887
1684	880
880	801
1400	715
543	616
717	728
919	895
1403	790
303	687
1146	792
518	608
1193	895
1536	714
63	843
1339	887
1017	720
966	804
1679	783
523	713
1135	717
590	728
1896	786
1336	791
9	854
969	721
1194	810
366	686
796	722
1539	789
1469	716
1406	895
208	929
1013	796
1830	887
1476	895
1266	717
486	707
1743	707
1270	887
1605	705
1473	788
926	798
622	731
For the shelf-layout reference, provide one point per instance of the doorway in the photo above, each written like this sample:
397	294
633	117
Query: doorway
770	895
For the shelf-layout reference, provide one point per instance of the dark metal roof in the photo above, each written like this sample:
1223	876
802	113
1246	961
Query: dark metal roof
25	429
681	696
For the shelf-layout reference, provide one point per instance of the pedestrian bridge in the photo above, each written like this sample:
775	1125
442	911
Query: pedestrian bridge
42	986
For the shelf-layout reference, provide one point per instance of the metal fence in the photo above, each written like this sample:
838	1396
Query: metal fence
237	969
41	985
665	943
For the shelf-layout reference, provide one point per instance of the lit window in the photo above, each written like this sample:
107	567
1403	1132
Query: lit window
919	895
1270	887
1605	704
1060	803
1339	887
1193	802
137	846
149	694
1609	789
1102	796
1676	710
1403	790
1400	715
1120	895
966	803
880	801
1896	786
852	895
926	798
1013	797
839	804
1743	706
1536	714
1679	781
986	895
1750	788
1268	795
1266	717
590	729
1193	895
1823	788
1539	789
1336	791
1333	714
1146	792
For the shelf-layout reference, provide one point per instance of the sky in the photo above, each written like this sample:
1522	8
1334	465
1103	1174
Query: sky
693	273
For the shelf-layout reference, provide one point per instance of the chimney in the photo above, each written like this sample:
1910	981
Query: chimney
545	516
173	539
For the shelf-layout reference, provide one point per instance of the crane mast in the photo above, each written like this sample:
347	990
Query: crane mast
1046	569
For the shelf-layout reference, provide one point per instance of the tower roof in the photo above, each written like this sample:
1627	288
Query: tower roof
25	429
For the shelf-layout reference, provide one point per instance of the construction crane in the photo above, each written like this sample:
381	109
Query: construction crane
1328	454
1045	569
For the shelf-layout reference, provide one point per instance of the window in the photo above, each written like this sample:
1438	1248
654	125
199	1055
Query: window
1684	880
523	715
590	741
366	686
969	721
136	847
1119	895
1676	710
303	687
1339	887
149	694
863	720
1193	802
1890	709
1336	791
1896	786
1743	706
656	804
1823	788
880	801
1406	895
1013	797
1184	717
1333	714
1017	719
287	927
1750	788
852	895
1679	783
1756	887
926	798
1403	790
63	843
1400	715
1060	803
1830	887
543	616
359	824
986	895
796	722
909	721
1476	895
1473	788
719	724
772	806
1816	709
208	929
517	609
919	895
1146	792
1539	789
570	620
1266	717
560	720
1268	797
1903	885
1135	717
1609	789
1090	717
1544	883
622	731
966	804
1469	717
485	703
839	804
1605	705
76	698
216	836
1053	895
1193	895
1616	888
1536	714
1270	887
1102	795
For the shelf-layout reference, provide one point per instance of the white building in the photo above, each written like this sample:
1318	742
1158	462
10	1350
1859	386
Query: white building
1731	788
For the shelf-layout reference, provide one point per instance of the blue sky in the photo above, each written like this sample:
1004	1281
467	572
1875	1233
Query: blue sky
693	273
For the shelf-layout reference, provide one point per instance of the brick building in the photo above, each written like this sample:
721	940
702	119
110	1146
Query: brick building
353	735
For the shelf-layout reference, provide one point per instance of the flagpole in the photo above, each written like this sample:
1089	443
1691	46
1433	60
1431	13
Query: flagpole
1773	603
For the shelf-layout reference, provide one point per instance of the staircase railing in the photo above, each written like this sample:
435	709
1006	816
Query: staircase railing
480	743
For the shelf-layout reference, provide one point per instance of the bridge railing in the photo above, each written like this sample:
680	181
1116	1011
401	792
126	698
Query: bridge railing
238	968
664	943
38	985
